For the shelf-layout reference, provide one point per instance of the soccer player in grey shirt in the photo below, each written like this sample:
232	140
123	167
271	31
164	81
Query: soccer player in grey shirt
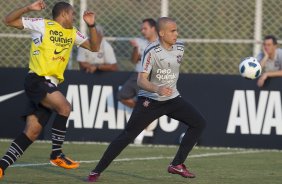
270	59
159	96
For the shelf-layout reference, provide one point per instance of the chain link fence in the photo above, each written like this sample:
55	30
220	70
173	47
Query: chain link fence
217	33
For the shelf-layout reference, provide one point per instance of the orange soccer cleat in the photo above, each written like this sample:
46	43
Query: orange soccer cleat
1	173
64	162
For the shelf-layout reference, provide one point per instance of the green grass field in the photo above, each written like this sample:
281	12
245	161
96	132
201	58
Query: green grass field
147	165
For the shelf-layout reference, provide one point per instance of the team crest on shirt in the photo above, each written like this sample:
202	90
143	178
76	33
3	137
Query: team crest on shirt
100	55
179	59
146	103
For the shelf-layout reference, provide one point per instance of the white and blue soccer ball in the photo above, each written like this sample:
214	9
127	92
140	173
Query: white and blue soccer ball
250	68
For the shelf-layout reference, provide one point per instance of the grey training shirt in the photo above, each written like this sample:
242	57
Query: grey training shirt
163	68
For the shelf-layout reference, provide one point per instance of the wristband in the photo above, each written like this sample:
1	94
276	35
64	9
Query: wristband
93	25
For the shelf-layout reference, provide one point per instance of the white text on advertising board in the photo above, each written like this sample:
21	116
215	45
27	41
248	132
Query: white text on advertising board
255	116
98	110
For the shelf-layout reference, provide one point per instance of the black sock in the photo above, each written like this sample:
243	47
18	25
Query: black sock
15	151
58	135
188	142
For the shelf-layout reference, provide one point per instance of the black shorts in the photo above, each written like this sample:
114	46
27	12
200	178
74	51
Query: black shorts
36	88
129	89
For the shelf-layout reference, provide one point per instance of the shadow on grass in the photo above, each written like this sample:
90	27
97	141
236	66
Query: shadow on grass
133	175
64	173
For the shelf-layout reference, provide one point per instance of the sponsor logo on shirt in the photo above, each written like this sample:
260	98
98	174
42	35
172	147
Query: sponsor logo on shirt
147	61
36	41
181	48
58	52
179	59
165	75
80	34
33	19
57	37
36	52
59	58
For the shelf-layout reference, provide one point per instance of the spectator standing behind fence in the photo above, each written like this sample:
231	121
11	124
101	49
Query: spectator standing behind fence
104	60
127	94
270	59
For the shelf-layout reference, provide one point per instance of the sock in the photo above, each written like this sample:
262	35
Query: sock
58	134
188	142
15	151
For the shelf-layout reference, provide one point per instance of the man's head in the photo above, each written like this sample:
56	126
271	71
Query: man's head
270	44
63	13
148	28
167	30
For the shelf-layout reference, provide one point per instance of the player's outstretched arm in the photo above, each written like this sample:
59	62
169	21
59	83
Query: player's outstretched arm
94	42
13	19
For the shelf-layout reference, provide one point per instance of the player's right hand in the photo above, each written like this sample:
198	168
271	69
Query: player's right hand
133	43
265	53
164	91
37	5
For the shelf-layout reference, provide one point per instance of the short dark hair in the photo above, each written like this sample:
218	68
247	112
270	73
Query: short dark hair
59	8
271	37
162	21
150	21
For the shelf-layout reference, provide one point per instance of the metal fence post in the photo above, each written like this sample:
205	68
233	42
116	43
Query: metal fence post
70	64
257	28
82	25
164	8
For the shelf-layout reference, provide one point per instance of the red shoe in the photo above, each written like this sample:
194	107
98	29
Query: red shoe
93	177
181	170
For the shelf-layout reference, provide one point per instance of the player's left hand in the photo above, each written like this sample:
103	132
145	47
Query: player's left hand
89	17
262	79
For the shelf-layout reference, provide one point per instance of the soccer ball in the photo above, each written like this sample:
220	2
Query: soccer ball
250	68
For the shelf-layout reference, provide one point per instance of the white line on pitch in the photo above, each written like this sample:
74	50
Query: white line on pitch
148	158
